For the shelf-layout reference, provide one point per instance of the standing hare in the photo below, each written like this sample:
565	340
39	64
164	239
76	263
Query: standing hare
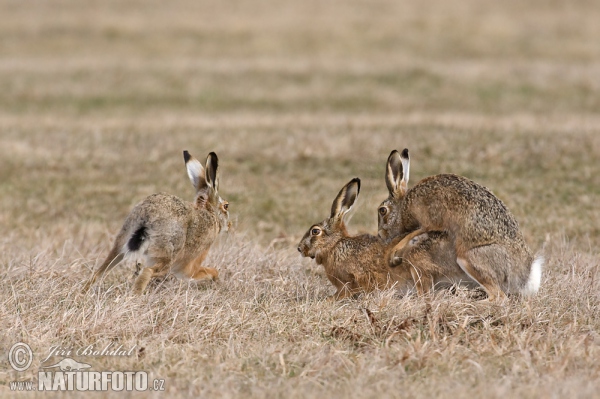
487	244
353	264
166	234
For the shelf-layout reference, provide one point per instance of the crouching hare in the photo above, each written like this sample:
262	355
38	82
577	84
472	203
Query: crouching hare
353	264
165	234
469	232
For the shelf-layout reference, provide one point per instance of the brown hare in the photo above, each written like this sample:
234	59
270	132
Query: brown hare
429	260
486	241
353	264
166	234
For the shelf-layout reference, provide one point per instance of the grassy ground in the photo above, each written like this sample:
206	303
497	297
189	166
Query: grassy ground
98	100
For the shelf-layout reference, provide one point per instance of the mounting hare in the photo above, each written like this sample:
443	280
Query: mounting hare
169	235
487	242
352	264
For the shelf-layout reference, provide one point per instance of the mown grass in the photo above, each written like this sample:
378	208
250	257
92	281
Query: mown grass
267	330
157	87
98	101
281	179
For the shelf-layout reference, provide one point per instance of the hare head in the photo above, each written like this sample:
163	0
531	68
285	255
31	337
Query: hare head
321	237
396	178
206	183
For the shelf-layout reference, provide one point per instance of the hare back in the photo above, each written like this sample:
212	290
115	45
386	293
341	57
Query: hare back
164	226
361	259
471	212
361	251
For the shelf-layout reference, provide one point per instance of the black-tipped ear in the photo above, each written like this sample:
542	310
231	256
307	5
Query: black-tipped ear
195	171
345	199
396	173
212	166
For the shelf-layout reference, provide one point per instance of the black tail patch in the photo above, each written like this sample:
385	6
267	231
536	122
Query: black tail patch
137	239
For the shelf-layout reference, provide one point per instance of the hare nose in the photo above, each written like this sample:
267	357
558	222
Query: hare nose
299	250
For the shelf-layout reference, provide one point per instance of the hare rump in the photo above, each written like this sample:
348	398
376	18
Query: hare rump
166	234
487	243
352	264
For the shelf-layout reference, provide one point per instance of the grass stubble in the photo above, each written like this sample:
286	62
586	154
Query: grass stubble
99	102
266	329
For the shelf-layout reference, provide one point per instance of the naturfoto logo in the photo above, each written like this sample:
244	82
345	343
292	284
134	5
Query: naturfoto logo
68	364
72	375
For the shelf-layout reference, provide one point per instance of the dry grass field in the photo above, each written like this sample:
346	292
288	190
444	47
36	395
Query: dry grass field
99	98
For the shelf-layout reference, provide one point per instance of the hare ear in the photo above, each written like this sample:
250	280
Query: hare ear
396	173
212	176
195	171
345	199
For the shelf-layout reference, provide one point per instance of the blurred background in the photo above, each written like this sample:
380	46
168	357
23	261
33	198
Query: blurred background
132	58
99	98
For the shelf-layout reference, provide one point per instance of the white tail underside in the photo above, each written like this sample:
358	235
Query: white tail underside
535	277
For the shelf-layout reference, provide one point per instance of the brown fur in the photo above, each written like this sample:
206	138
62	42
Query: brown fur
486	241
173	235
430	260
353	264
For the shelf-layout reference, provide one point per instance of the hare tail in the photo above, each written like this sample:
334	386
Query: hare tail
137	239
535	276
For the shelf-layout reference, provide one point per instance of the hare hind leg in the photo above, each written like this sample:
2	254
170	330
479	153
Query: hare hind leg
160	269
479	264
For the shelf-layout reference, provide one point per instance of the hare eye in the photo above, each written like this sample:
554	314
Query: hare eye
226	206
382	211
315	232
